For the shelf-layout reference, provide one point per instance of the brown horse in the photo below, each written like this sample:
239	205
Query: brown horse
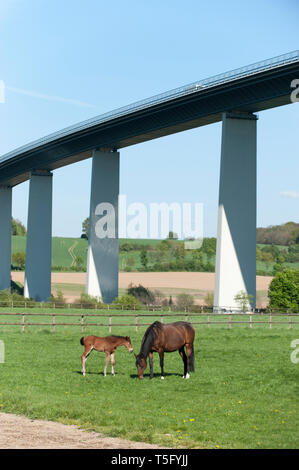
162	338
108	345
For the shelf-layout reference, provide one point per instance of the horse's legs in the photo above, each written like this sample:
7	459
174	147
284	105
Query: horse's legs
161	354
184	357
151	365
112	363
84	357
106	364
189	348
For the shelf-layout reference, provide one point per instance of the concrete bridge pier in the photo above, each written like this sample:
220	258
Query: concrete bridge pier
236	237
5	236
102	261
39	237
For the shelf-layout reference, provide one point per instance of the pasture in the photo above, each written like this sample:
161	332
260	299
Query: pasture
243	394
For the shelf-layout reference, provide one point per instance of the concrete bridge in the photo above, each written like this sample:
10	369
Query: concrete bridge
233	97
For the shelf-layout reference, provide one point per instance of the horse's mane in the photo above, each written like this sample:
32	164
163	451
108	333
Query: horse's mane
149	338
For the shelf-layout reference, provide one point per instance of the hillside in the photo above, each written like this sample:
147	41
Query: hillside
284	234
70	254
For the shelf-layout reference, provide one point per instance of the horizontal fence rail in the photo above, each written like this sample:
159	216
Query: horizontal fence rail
149	308
228	319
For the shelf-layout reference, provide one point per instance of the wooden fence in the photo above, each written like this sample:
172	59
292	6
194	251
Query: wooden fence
228	319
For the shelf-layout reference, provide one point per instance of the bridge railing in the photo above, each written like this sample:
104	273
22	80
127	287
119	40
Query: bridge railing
194	87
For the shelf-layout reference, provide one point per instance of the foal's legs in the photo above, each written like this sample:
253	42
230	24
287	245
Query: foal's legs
161	354
107	362
112	363
184	357
84	357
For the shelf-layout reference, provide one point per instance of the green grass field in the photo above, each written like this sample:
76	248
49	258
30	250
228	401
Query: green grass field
65	252
243	394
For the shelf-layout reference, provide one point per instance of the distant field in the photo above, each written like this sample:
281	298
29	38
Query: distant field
67	251
170	283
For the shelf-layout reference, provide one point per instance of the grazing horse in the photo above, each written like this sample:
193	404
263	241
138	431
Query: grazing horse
162	338
108	345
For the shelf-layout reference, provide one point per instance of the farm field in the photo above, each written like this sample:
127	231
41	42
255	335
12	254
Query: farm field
169	283
243	394
70	253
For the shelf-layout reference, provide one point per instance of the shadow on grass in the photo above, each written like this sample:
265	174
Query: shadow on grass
167	374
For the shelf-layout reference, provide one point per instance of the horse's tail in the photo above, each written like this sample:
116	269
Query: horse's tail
191	362
82	341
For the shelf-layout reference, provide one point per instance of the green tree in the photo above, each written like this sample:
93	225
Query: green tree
144	258
17	228
172	235
142	294
19	259
184	301
128	302
85	227
283	291
243	300
209	299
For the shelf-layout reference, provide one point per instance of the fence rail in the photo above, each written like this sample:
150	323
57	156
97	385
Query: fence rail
228	319
149	308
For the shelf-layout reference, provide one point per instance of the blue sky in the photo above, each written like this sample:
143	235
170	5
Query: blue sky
66	61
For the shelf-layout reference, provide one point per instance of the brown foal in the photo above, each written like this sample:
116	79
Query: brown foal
107	344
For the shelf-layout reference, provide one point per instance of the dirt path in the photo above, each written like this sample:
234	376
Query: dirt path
18	432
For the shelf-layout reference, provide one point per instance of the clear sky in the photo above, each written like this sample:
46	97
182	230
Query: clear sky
66	61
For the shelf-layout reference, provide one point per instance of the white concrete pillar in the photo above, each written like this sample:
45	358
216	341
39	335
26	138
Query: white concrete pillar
39	237
5	236
236	237
102	262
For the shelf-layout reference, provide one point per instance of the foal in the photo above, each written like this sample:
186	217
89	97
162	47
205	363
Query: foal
108	345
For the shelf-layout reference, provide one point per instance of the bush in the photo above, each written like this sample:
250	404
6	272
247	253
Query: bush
142	294
19	259
184	301
88	301
59	299
209	299
128	302
7	297
284	291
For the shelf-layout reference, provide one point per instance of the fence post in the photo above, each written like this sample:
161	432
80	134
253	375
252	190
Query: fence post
53	323
110	324
23	322
250	321
136	322
230	321
290	321
208	321
82	323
